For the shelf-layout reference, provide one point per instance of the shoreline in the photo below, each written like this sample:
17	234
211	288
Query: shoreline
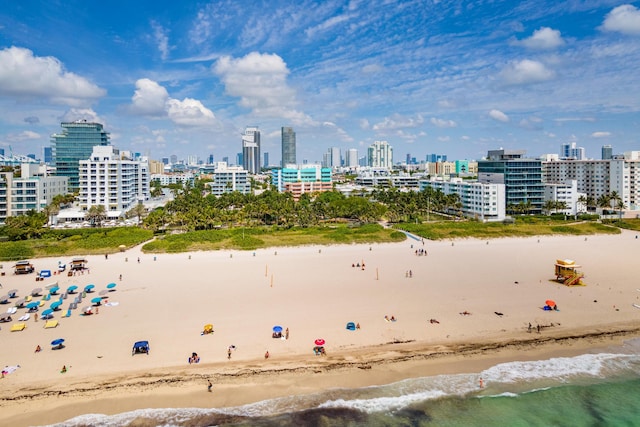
244	383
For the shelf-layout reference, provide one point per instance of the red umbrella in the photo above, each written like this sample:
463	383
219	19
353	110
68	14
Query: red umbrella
319	341
550	303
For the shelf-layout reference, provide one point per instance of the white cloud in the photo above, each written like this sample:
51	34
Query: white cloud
499	116
600	134
544	38
623	19
525	72
260	81
149	99
23	136
396	121
161	39
364	124
442	123
87	114
153	100
24	75
444	139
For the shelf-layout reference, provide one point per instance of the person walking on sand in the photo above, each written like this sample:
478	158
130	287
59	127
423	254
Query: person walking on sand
209	386
266	355
286	334
229	353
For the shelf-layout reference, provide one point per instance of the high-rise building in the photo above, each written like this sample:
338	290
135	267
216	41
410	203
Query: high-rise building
434	158
522	178
113	180
352	158
251	149
332	158
265	163
75	143
288	146
48	155
607	152
380	155
302	179
210	159
569	150
174	159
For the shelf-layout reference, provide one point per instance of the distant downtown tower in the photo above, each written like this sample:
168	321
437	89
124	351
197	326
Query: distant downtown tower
288	146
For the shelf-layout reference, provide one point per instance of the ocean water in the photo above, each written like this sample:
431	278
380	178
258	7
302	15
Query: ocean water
595	389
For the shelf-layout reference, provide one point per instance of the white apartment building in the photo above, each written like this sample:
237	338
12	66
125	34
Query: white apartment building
380	155
600	177
111	179
173	178
483	201
33	190
566	192
227	179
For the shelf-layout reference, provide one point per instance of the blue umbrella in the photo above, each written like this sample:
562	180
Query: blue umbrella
47	313
89	288
71	289
277	329
58	341
111	285
33	304
96	301
53	290
55	305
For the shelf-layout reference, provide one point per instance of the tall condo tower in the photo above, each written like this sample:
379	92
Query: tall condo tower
380	155
288	146
251	149
75	143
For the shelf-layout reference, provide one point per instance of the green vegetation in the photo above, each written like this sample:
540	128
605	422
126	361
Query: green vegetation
74	242
523	227
628	224
262	237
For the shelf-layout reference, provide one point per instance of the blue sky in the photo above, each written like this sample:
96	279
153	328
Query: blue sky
437	76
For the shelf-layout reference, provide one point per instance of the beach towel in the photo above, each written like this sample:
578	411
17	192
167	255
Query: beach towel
51	324
9	369
18	327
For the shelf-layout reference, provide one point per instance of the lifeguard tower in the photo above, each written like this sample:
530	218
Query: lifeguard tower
567	272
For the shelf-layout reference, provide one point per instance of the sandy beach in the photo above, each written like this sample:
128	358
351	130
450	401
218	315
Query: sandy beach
314	292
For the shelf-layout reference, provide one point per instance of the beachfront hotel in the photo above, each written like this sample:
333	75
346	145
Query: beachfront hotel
300	179
75	143
596	178
522	178
481	201
227	179
33	190
111	179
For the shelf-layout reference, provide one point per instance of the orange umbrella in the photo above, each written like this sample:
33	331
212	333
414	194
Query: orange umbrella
550	303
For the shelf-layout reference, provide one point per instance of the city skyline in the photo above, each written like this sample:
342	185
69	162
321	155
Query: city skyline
458	78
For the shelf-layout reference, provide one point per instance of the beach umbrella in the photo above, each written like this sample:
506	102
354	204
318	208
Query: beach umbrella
36	292
57	343
33	305
319	341
103	293
20	302
12	293
4	299
550	303
89	288
111	285
86	310
54	290
51	286
55	305
72	289
277	329
48	313
96	301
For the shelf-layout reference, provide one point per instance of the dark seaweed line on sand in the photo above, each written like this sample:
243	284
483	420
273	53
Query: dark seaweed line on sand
402	356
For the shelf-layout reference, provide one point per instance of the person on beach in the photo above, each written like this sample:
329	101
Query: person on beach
266	354
229	353
209	386
481	383
286	334
64	369
38	349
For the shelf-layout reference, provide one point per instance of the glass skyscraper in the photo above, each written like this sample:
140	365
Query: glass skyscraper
75	143
251	149
288	146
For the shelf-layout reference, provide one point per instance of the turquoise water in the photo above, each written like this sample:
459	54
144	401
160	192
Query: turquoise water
599	389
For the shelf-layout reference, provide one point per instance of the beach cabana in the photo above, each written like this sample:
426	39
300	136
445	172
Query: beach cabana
140	347
17	327
51	324
77	264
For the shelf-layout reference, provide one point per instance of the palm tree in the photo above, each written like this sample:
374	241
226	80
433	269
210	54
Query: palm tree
138	211
548	206
96	214
620	206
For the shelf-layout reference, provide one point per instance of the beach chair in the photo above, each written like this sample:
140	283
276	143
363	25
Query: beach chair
51	324
18	327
